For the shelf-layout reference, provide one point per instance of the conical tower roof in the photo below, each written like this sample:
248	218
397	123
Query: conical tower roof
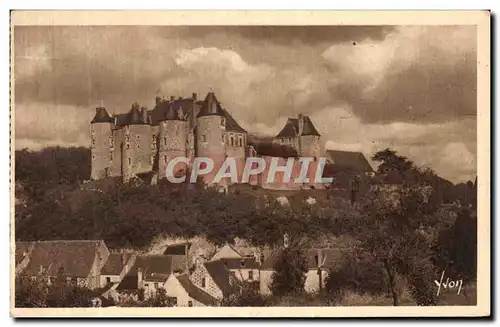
101	116
211	106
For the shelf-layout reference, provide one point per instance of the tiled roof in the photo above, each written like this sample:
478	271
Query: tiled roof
308	128
115	263
231	124
72	258
220	275
331	257
291	128
195	292
22	249
153	265
211	106
240	263
347	160
101	116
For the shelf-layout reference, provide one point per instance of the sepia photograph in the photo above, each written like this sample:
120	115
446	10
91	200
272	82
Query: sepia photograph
250	164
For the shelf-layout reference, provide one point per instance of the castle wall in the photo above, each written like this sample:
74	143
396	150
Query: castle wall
100	150
116	164
172	144
289	141
235	148
210	142
309	146
137	150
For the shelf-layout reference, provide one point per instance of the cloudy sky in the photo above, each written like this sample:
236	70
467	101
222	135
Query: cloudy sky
412	88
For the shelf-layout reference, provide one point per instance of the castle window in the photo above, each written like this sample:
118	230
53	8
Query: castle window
93	157
152	159
111	156
223	121
129	161
222	138
165	158
232	141
111	143
128	145
203	138
138	137
241	141
153	138
93	131
127	139
138	146
93	142
165	140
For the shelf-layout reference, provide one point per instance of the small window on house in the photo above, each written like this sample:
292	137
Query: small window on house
146	285
129	161
250	275
108	280
175	301
289	140
190	303
156	285
203	282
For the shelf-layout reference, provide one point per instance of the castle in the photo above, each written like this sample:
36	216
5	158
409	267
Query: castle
144	141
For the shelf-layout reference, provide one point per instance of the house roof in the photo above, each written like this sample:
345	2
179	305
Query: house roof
220	275
240	263
115	263
348	160
101	116
195	292
331	257
211	106
178	249
22	249
153	265
72	258
291	128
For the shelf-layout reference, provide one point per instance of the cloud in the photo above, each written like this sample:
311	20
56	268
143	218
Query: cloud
413	88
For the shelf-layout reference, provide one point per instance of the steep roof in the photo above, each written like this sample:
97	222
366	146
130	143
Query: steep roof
115	263
240	263
331	257
101	116
355	161
211	106
308	128
231	124
291	128
160	111
220	275
275	150
195	292
72	258
153	266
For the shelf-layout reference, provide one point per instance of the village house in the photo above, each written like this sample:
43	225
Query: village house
215	278
79	262
185	294
243	267
116	268
179	253
319	262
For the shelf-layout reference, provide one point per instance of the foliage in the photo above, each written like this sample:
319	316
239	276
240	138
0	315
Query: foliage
289	272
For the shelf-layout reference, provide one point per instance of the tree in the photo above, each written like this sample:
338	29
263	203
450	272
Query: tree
289	272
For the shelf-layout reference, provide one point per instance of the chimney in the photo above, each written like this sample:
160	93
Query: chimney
301	123
139	276
195	96
144	114
320	257
172	98
180	98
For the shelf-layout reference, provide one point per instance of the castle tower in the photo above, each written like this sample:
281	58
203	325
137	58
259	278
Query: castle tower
101	144
136	146
210	130
309	143
172	141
